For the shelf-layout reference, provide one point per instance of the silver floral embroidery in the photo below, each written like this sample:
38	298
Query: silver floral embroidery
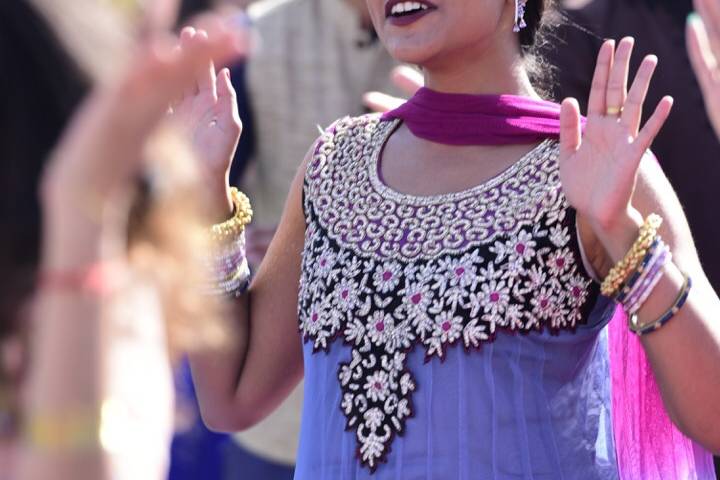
386	272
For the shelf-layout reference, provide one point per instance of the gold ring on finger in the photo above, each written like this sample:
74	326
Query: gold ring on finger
614	111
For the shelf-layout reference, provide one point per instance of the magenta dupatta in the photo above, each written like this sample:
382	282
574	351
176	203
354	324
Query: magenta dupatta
648	445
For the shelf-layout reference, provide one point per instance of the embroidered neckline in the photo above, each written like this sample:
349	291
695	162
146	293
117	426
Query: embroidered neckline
388	127
384	224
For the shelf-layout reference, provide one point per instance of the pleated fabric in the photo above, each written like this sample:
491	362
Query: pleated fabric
530	407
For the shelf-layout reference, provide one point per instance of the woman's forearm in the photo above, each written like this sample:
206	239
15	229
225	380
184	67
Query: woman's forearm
65	389
685	352
240	384
685	356
216	373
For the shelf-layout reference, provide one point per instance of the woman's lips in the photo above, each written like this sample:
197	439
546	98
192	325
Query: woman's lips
395	11
408	19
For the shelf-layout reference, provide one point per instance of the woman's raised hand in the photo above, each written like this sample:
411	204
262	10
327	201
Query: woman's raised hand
208	112
102	148
598	167
703	43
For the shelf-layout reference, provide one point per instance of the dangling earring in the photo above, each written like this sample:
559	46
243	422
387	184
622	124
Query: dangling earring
519	15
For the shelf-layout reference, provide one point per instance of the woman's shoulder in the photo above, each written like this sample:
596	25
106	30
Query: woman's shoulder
343	153
355	124
345	134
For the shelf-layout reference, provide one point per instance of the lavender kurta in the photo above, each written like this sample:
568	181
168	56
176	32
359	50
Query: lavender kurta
452	336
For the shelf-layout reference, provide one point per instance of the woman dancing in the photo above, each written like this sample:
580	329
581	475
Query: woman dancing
455	265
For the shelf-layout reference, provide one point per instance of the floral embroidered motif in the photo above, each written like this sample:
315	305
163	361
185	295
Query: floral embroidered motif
386	272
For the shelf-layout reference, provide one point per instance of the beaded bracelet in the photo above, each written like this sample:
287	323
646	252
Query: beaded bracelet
233	286
235	225
641	330
654	274
654	257
229	273
636	278
620	272
225	258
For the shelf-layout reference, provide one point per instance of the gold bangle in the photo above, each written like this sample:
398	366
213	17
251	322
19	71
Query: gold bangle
236	224
622	270
69	431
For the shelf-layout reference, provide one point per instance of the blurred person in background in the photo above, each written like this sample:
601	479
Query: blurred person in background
96	261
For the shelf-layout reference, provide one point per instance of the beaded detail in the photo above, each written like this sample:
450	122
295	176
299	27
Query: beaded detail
386	224
387	272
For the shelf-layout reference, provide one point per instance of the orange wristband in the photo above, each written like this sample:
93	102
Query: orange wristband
96	278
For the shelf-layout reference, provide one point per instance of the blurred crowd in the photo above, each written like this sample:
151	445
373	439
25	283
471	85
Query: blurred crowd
90	155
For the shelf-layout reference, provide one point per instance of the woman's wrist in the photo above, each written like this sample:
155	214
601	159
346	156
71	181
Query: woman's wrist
220	205
62	252
71	238
217	201
617	237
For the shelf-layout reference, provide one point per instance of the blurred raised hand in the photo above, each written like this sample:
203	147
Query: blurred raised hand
703	43
102	150
407	79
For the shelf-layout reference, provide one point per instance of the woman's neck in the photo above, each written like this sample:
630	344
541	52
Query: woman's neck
494	68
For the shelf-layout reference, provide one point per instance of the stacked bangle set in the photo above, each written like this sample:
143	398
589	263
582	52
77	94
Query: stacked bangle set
227	264
632	280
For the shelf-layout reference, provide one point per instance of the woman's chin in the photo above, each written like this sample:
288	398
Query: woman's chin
411	54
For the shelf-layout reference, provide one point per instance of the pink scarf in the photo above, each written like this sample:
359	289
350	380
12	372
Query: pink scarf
648	445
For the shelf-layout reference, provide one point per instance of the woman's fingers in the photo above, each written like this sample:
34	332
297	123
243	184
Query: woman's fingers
570	127
596	102
225	89
407	79
160	75
177	99
617	82
710	13
632	110
186	36
228	98
381	102
205	74
653	125
701	57
104	142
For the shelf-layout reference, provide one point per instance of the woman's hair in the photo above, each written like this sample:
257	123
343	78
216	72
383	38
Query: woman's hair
541	17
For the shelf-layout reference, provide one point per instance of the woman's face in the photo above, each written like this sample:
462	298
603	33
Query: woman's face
421	31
